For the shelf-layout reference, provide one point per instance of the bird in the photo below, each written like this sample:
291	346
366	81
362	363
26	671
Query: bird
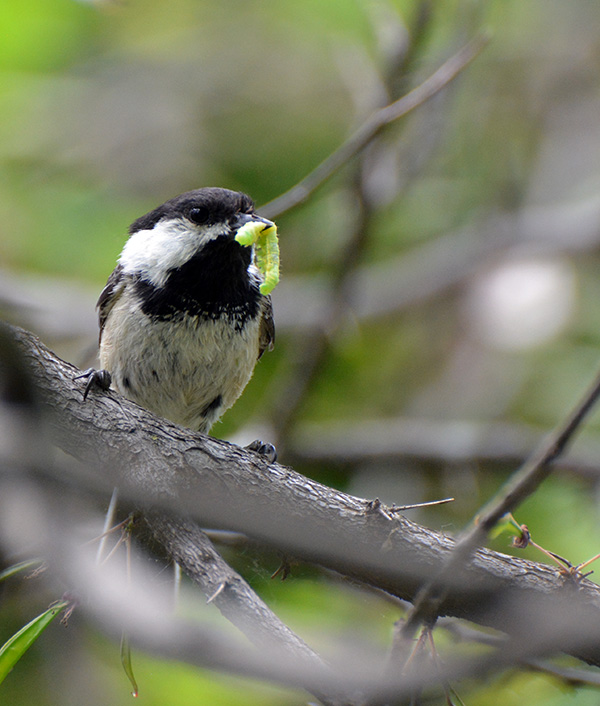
182	319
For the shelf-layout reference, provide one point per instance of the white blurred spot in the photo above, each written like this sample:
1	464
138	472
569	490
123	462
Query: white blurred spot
523	303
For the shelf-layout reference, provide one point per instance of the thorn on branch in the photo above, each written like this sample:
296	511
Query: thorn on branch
73	602
376	507
222	586
284	570
38	571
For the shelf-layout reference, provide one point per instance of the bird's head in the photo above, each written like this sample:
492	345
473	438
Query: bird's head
167	237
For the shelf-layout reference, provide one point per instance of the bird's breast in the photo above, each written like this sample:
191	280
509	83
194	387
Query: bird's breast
216	283
188	367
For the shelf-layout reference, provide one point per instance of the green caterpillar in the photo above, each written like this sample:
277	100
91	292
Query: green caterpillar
266	251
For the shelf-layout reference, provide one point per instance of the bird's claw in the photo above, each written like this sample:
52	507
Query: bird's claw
95	378
268	451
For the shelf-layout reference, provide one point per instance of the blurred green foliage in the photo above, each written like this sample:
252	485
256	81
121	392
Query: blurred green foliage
108	108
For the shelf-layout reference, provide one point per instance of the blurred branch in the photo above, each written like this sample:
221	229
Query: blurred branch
373	126
24	449
190	547
569	675
54	306
455	441
116	601
161	465
314	351
61	310
520	486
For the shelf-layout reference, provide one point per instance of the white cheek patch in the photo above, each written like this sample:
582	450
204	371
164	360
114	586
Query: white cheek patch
169	245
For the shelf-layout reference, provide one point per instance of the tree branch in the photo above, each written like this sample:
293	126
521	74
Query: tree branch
373	126
223	486
519	487
189	546
315	350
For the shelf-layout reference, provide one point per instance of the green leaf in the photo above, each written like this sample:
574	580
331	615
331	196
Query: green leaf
12	650
126	662
17	568
505	524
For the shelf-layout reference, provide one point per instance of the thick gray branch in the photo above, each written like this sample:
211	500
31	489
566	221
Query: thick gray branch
223	486
189	546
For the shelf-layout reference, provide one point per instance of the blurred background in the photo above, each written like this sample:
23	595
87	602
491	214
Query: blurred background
439	308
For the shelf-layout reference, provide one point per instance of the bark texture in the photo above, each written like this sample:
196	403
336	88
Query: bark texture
161	466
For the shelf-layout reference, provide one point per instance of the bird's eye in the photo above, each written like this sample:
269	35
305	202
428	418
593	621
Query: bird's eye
199	215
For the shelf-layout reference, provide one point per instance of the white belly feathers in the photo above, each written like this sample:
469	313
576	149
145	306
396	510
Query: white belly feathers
187	373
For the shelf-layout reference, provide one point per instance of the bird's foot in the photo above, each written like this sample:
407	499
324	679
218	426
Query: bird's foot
267	450
95	378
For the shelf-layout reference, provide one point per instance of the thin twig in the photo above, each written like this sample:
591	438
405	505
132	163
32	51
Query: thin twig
428	503
314	353
109	519
522	484
373	126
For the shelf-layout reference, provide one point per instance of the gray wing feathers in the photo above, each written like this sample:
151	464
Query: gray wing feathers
109	296
267	328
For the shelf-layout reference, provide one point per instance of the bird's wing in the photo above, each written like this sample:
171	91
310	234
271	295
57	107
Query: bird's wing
267	328
109	296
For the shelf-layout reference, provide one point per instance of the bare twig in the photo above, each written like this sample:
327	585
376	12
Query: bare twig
313	354
519	487
373	126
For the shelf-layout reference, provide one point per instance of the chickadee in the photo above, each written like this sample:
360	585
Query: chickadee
182	320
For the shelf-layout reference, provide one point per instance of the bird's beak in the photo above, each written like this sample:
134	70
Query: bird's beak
242	218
